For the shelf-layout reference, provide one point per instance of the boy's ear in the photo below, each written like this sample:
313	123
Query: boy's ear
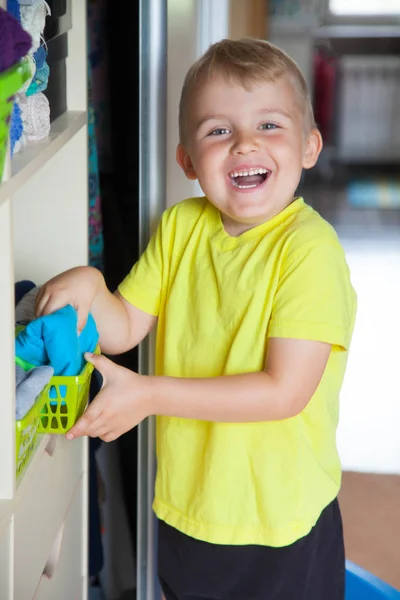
185	162
313	149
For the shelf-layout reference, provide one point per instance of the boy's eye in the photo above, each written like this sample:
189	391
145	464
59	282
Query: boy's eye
266	126
219	131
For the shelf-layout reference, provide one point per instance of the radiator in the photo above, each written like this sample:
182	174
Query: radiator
368	115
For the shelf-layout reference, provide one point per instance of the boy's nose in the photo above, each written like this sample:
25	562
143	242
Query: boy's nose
244	144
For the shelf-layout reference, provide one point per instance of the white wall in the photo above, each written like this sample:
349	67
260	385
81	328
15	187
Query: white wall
369	429
192	26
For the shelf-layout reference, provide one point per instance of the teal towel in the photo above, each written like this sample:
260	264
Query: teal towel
54	340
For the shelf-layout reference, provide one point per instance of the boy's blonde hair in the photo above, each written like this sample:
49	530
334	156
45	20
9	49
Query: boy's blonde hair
246	61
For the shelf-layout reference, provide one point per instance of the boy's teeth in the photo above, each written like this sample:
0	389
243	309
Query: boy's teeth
236	177
260	171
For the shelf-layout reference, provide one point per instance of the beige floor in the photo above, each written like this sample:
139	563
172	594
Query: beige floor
370	507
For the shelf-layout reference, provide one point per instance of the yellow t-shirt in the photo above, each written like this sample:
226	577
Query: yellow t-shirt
218	299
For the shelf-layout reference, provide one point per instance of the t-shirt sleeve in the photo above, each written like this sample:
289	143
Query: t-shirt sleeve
142	287
315	299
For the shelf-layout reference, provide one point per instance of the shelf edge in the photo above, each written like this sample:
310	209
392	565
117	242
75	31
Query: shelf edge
42	151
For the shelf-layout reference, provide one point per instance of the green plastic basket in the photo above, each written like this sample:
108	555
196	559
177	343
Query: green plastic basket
66	399
26	430
11	81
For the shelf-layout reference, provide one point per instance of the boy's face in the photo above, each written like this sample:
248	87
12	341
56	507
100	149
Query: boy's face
259	131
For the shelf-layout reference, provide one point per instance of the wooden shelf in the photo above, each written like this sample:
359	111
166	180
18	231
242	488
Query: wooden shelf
356	31
36	154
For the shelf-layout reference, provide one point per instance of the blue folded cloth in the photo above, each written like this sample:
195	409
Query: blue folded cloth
41	77
16	126
14	10
54	340
40	56
39	81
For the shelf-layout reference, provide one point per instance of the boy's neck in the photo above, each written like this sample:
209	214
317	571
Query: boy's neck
236	228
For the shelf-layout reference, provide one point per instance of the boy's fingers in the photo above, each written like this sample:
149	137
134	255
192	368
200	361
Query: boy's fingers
104	365
46	306
89	417
97	429
101	432
79	429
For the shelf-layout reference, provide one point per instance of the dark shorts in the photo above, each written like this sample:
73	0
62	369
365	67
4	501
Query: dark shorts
313	568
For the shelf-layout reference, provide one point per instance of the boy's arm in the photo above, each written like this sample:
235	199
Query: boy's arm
292	374
121	326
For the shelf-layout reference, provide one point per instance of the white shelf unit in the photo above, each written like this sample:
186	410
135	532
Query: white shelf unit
43	231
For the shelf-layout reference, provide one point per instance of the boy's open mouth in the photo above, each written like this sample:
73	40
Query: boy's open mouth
251	178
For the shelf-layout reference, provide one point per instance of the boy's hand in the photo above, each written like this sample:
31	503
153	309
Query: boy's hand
122	403
77	287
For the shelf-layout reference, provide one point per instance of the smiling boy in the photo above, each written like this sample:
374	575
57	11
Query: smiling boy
255	311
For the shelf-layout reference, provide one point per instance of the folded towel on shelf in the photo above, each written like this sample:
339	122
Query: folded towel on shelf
29	384
17	135
40	56
40	80
33	19
16	126
20	144
35	116
14	41
13	9
41	72
54	340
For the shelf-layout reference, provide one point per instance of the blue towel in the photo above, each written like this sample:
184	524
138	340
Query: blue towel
54	340
40	56
14	10
41	77
16	126
39	81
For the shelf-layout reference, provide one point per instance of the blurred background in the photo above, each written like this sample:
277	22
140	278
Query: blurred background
349	51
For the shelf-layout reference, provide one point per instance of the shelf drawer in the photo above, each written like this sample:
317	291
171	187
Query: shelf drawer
64	569
42	508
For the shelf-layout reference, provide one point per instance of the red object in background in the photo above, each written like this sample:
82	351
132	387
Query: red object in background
325	77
